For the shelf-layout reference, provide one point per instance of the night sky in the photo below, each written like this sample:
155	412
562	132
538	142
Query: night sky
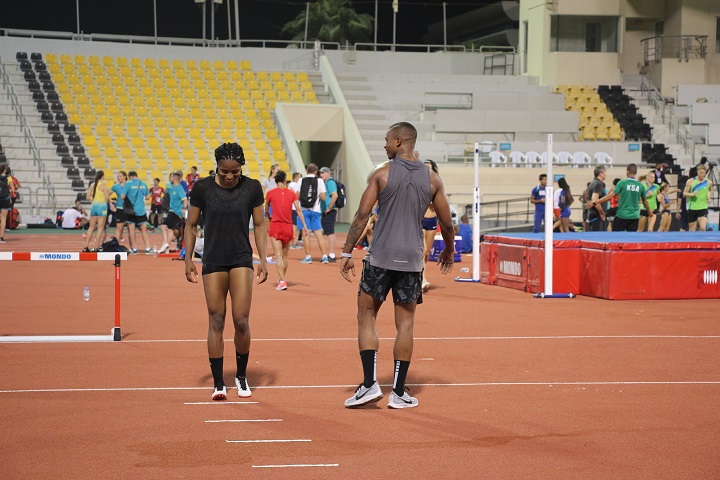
259	19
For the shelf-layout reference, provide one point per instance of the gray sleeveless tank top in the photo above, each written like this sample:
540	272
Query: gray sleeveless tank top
397	242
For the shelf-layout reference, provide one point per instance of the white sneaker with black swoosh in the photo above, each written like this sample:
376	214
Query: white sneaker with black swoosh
364	395
404	401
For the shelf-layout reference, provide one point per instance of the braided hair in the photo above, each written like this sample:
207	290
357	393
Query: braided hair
230	151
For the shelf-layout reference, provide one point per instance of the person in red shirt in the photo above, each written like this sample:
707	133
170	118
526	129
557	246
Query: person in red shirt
191	178
156	196
282	199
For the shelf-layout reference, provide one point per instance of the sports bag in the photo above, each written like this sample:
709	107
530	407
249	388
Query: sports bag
308	192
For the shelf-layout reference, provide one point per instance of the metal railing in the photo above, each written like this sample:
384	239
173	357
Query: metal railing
437	100
499	64
682	132
655	98
681	47
500	213
30	141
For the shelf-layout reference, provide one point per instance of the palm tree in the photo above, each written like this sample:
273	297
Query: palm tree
331	21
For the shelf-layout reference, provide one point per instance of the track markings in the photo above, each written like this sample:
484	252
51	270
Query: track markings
298	465
249	420
220	403
270	441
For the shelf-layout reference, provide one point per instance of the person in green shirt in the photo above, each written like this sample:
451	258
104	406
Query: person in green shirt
651	194
697	191
631	193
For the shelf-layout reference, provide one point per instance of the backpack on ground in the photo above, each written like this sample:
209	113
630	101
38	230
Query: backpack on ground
13	219
113	245
341	199
308	192
4	188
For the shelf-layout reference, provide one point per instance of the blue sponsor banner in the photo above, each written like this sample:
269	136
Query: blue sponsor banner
633	147
558	176
505	147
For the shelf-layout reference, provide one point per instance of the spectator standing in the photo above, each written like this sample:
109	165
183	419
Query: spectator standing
682	212
631	193
16	188
137	190
297	234
191	178
281	200
537	197
156	201
269	183
173	221
651	193
403	187
314	187
465	231
329	212
99	193
562	200
119	190
659	173
596	189
7	188
697	191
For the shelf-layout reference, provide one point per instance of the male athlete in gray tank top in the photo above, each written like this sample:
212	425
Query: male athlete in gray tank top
404	187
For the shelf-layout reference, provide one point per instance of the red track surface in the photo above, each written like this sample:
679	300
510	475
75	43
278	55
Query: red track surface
509	386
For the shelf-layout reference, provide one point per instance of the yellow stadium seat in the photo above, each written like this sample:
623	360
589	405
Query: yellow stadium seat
297	96
122	62
154	142
256	133
172	122
51	58
135	62
302	77
177	64
265	114
126	152
245	65
187	122
114	112
191	65
283	96
235	76
79	60
150	63
271	133
232	65
218	65
276	144
183	143
259	144
137	141
65	58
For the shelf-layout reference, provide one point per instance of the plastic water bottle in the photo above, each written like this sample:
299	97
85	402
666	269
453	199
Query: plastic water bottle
86	294
154	250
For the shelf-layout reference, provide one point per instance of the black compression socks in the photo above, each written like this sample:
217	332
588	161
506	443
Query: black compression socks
216	366
369	360
242	360
401	369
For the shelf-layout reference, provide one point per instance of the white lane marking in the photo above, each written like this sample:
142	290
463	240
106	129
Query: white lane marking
270	441
211	403
287	387
249	420
526	337
298	465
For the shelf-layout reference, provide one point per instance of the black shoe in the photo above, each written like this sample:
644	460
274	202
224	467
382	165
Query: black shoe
332	259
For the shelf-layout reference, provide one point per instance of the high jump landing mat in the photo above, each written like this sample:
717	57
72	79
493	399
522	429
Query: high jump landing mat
615	266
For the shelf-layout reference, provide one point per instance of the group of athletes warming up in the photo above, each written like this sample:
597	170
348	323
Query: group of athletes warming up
403	187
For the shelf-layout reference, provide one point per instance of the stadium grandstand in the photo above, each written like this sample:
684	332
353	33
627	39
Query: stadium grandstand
618	92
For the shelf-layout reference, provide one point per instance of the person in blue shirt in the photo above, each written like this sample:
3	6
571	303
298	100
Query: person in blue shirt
137	190
537	196
119	190
173	221
329	212
465	231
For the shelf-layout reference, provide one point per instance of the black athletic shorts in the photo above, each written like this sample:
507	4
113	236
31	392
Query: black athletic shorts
597	225
172	221
693	215
137	219
120	216
377	282
328	222
208	269
156	209
625	225
644	213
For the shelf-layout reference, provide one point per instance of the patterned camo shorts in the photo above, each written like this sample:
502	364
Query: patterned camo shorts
377	282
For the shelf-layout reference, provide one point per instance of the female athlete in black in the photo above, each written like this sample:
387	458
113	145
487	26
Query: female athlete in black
227	201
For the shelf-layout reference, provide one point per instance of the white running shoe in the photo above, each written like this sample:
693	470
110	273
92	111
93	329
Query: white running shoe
425	286
164	248
406	401
243	387
219	394
364	395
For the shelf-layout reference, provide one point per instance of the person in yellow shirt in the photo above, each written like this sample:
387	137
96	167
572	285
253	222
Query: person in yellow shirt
99	192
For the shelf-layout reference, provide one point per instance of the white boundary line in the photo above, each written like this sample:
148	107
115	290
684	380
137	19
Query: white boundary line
258	420
195	403
270	441
103	338
539	337
298	465
354	385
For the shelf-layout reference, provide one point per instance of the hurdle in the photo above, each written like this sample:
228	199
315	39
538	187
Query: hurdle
115	334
